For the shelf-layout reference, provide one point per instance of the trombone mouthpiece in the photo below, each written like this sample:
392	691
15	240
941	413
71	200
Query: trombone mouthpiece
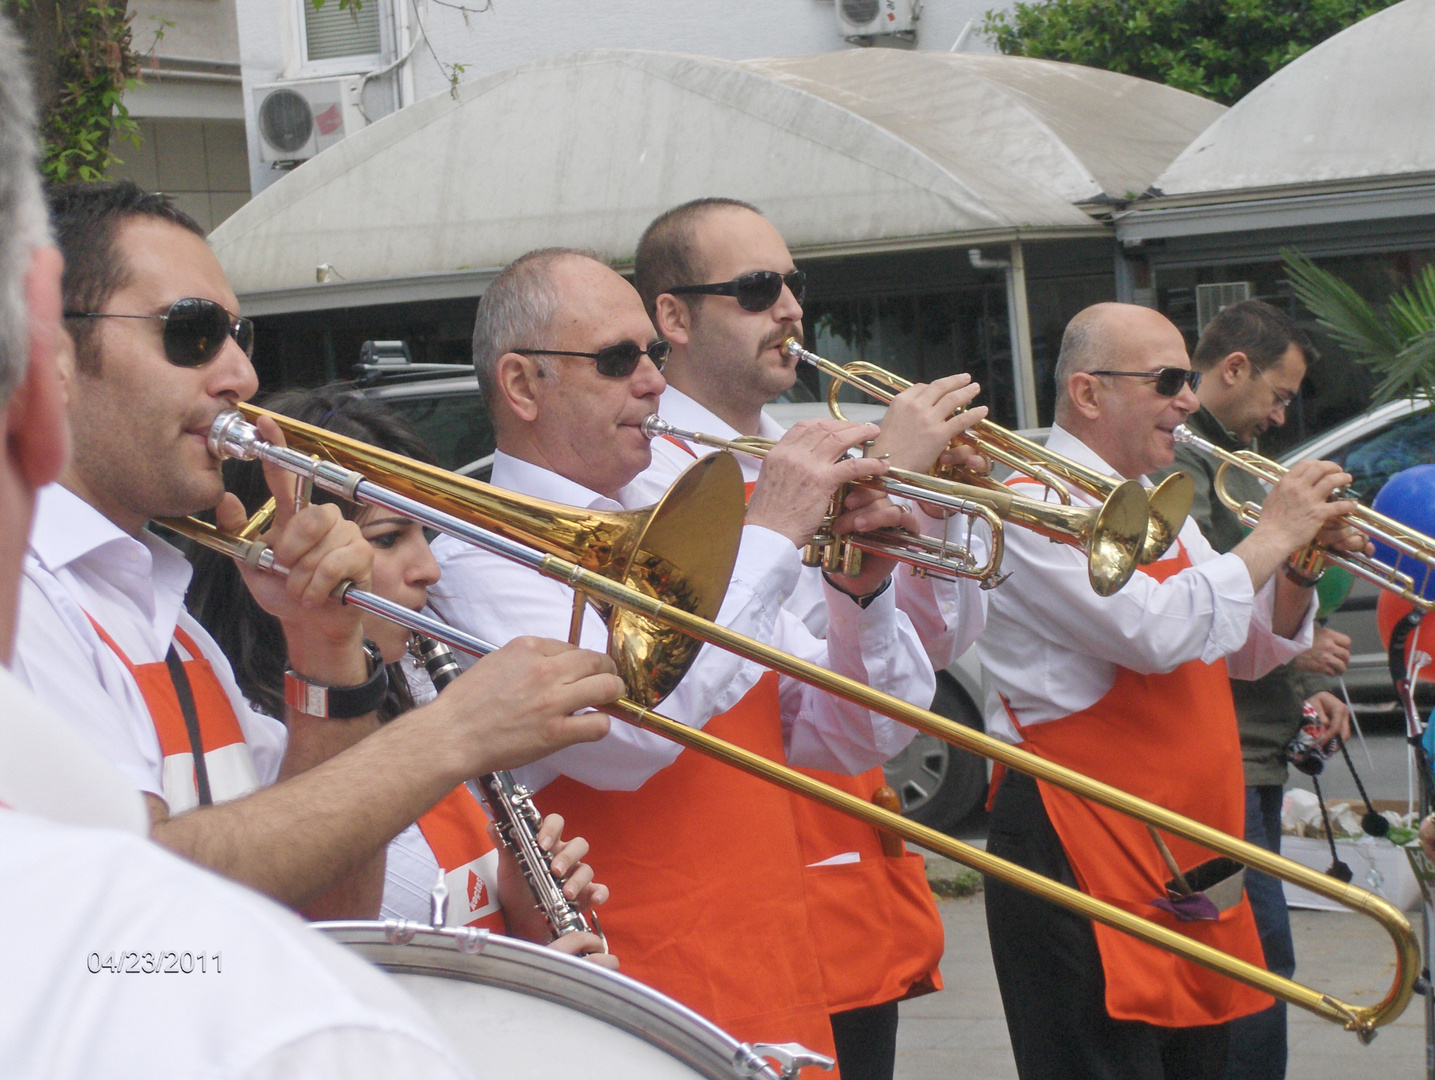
232	436
654	425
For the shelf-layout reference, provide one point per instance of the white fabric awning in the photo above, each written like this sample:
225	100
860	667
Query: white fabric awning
1359	105
585	150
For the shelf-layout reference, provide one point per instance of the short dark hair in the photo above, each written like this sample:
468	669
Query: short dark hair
1255	328
667	254
86	218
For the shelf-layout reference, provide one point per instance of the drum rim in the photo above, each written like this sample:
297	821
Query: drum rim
474	953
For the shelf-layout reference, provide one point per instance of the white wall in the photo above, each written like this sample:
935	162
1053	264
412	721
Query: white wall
514	32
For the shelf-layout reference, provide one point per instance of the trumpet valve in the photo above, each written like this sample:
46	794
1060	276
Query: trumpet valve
851	559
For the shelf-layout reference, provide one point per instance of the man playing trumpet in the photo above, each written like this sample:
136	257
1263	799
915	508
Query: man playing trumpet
723	291
705	859
1132	689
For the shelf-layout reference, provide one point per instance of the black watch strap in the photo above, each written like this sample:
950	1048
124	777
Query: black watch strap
339	702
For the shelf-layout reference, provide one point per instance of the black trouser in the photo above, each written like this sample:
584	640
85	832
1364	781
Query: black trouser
866	1042
1049	970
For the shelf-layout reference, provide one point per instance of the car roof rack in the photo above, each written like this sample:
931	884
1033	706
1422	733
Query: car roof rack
391	362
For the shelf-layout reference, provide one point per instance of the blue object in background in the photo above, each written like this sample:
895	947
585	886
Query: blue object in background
1409	498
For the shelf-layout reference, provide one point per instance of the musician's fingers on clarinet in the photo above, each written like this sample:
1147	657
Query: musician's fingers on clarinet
588	946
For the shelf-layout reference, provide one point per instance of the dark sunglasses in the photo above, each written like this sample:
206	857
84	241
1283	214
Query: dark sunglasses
194	330
615	361
757	291
1169	380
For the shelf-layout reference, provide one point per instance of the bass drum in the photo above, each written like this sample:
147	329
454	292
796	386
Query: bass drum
524	1012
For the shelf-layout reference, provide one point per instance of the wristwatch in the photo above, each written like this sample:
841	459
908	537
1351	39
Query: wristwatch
339	702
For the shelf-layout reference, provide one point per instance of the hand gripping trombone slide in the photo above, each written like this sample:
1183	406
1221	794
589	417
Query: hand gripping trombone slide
235	438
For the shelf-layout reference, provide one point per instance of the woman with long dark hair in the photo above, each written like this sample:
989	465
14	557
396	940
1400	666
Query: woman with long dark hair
486	887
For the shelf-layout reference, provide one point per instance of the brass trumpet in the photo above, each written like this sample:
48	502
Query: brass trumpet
1111	535
1375	525
1170	501
232	437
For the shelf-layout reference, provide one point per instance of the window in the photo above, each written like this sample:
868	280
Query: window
1401	445
334	33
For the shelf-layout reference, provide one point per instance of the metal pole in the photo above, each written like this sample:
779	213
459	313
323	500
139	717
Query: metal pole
1022	365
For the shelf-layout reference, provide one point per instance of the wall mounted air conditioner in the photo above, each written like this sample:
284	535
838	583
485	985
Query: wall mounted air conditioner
862	20
1213	297
300	117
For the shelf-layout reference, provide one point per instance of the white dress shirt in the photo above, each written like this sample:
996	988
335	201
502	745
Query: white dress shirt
1052	646
499	600
946	615
284	1002
79	561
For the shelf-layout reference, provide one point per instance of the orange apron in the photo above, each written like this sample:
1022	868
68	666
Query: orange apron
228	763
875	922
457	832
1172	740
706	874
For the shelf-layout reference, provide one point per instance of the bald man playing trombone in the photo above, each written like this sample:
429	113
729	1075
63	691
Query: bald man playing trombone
705	859
1132	689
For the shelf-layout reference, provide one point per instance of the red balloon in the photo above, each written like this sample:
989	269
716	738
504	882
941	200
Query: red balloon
1389	610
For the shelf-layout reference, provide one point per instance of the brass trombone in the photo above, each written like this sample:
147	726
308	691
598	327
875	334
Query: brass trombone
1170	501
232	437
1111	535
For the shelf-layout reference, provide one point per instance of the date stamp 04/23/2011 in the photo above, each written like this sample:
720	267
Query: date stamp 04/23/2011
155	963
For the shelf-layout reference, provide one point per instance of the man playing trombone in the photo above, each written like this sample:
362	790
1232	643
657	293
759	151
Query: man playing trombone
723	291
1133	690
705	859
1252	360
301	810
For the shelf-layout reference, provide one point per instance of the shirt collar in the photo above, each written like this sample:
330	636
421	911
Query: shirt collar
682	411
1206	425
526	478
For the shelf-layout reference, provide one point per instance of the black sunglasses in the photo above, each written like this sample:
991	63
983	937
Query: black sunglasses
615	361
194	330
1169	380
757	291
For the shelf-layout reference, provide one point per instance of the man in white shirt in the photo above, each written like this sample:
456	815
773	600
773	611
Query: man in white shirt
1132	689
301	810
722	289
78	882
703	861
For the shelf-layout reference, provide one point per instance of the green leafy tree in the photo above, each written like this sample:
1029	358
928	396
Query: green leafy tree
1220	49
1397	342
84	61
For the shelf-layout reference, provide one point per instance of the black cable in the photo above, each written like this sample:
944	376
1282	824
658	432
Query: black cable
1338	870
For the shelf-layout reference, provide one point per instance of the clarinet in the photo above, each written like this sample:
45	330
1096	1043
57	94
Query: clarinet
510	805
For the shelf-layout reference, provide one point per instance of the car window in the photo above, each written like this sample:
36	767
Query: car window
1375	458
456	427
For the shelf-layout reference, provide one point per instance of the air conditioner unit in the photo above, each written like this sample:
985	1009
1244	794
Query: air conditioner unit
301	117
862	20
1213	297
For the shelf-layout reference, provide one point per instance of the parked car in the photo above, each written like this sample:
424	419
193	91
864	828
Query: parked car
1372	447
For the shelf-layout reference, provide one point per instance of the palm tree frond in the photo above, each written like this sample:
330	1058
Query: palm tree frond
1344	313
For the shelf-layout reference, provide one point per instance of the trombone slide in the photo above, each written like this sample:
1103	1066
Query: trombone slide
1361	1019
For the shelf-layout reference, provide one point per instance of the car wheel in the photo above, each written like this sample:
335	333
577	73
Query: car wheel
938	784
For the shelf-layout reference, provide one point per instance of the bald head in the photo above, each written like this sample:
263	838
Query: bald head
1108	337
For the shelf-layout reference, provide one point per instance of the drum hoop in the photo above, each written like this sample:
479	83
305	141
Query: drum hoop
472	954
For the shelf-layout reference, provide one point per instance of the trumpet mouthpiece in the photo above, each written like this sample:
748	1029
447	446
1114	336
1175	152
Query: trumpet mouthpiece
791	347
1183	434
654	425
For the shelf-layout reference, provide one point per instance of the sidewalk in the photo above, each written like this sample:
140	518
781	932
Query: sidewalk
961	1033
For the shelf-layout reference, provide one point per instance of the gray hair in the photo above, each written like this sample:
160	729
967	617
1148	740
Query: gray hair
517	310
24	224
1083	345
